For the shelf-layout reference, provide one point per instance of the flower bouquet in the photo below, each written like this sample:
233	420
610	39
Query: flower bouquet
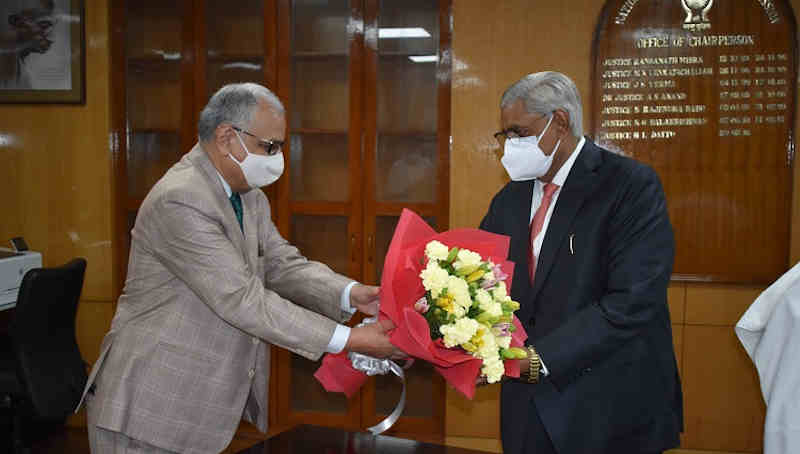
447	295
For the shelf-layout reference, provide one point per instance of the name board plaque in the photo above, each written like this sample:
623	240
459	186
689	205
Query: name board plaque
704	91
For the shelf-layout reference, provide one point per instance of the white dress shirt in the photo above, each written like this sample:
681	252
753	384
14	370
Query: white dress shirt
538	193
342	333
770	333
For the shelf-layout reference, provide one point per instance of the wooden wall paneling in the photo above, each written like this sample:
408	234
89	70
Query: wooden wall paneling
719	305
55	185
723	407
677	344
676	298
494	45
478	418
716	170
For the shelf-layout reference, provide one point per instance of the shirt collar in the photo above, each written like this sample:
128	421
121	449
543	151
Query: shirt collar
225	184
563	172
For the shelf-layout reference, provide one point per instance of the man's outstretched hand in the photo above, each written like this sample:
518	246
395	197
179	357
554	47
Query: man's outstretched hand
365	299
373	340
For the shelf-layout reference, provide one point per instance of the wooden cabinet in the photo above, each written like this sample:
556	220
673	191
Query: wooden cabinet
366	85
369	110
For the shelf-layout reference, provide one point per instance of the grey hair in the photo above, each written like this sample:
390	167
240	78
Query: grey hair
544	93
234	104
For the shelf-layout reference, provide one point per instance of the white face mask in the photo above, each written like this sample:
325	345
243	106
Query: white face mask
524	160
259	170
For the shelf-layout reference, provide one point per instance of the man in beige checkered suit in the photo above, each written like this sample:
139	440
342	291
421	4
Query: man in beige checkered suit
211	284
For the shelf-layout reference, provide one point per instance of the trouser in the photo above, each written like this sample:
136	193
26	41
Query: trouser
104	441
538	442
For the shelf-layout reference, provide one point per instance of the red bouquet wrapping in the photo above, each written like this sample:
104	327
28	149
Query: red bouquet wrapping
402	288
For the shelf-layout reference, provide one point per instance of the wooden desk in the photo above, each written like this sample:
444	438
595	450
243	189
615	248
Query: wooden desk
324	440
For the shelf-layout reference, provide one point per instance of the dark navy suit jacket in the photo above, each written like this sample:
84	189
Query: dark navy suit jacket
597	312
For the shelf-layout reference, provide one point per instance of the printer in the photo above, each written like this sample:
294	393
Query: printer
14	265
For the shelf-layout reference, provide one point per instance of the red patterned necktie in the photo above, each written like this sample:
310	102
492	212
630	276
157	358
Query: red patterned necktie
537	223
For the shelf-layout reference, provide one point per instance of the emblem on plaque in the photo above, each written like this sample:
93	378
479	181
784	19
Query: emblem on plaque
696	14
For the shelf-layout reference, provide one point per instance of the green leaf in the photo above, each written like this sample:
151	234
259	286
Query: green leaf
452	255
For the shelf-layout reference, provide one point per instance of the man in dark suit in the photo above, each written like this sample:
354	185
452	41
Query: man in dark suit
593	244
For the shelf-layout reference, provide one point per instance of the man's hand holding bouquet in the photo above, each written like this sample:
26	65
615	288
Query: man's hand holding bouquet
447	296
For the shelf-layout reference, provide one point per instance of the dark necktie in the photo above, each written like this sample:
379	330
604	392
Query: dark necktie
236	201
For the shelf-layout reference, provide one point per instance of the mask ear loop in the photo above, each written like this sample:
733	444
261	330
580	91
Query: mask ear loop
558	144
247	152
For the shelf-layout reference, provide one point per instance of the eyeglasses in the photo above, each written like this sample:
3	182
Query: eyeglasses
510	133
514	132
270	147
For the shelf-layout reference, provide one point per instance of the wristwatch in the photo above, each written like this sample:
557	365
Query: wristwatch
534	365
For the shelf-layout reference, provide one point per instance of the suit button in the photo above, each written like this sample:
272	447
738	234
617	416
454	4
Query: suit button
255	340
252	373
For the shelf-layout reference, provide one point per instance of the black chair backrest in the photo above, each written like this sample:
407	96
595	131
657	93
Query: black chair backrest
49	364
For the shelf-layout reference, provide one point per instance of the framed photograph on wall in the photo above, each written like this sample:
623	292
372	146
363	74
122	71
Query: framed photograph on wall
42	51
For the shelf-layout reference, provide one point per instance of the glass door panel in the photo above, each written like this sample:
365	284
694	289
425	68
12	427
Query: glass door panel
420	401
153	93
407	96
319	167
324	239
407	168
406	157
150	155
319	113
320	27
235	43
320	94
154	29
307	394
384	229
223	71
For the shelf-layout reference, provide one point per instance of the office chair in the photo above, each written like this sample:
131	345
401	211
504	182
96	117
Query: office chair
42	374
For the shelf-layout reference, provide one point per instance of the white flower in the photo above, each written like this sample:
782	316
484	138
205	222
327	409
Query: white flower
500	292
487	304
488	346
436	250
489	276
483	298
459	290
503	341
434	278
459	332
467	258
493	370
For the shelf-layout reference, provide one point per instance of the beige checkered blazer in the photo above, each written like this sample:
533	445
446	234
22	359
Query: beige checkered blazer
188	349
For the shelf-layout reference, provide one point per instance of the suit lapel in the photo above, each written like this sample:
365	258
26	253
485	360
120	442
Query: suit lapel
250	222
580	183
200	159
518	223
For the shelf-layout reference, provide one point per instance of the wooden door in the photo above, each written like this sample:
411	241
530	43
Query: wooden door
406	150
